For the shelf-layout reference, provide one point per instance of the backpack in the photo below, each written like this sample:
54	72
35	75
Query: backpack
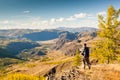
86	52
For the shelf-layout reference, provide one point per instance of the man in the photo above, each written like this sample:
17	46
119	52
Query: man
85	54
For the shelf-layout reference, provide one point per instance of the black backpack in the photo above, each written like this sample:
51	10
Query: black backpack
86	51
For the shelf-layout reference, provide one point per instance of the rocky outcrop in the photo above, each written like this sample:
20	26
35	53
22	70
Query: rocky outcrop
72	74
63	38
70	48
86	36
68	74
61	41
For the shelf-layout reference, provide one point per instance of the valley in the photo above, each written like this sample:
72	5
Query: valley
51	59
37	52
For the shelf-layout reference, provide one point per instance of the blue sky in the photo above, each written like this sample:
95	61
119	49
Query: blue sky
42	14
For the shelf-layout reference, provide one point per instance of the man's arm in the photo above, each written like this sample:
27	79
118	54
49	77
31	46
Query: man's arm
83	52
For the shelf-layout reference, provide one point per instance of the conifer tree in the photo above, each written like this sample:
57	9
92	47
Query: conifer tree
108	45
77	58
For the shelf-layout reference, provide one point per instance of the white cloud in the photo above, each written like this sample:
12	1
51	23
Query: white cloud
81	15
5	22
71	18
91	16
26	12
101	13
60	19
75	20
52	21
44	22
77	16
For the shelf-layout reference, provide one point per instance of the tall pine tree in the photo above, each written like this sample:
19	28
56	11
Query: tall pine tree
106	48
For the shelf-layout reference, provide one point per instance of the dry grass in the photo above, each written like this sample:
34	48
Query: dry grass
104	72
105	75
60	61
30	65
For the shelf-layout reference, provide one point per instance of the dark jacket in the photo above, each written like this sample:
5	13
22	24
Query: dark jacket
85	52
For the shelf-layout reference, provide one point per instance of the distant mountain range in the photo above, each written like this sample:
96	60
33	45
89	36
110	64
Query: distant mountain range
15	32
80	29
48	35
43	35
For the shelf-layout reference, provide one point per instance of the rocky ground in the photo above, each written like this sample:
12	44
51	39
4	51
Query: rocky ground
98	72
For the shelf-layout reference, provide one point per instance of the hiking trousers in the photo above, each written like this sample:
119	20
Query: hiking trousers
86	60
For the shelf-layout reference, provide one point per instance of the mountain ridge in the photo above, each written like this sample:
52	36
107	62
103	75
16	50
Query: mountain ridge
78	29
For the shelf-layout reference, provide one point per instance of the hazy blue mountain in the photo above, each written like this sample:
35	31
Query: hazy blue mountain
43	35
48	35
15	32
80	29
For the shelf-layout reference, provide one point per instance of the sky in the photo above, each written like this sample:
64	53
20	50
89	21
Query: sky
49	14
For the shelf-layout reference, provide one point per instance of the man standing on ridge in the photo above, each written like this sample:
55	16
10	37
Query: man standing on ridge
85	54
